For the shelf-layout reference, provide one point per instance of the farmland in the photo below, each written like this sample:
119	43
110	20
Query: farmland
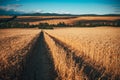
60	54
63	48
34	20
59	40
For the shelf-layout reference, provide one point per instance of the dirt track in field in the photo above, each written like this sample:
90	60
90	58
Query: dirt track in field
39	65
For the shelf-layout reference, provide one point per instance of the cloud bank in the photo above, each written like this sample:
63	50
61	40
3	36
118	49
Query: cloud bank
10	9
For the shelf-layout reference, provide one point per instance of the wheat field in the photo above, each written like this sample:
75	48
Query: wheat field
60	54
33	20
100	46
14	46
73	20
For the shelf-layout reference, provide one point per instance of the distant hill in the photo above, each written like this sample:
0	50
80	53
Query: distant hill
12	13
46	14
56	14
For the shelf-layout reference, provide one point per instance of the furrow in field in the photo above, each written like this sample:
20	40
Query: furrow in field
39	64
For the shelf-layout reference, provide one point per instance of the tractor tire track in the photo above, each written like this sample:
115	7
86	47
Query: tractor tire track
39	64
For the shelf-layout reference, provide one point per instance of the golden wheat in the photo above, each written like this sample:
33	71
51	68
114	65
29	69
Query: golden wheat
100	45
14	45
64	66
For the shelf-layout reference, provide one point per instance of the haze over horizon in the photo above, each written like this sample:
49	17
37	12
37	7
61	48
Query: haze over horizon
61	6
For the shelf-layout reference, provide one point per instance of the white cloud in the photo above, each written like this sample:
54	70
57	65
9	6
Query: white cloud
65	12
62	12
39	11
10	7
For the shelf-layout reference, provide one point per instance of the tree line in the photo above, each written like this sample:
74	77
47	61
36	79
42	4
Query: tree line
95	23
13	24
82	23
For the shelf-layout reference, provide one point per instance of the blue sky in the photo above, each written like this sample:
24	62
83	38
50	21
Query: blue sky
63	6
